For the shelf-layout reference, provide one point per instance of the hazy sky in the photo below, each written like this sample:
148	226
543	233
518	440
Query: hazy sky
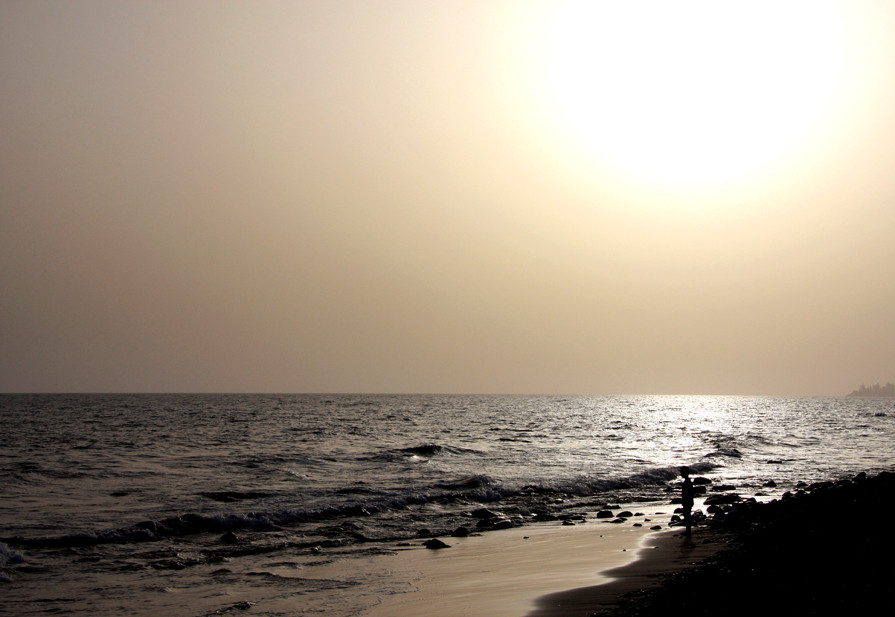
456	196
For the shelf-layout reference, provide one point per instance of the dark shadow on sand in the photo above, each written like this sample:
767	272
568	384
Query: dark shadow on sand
664	553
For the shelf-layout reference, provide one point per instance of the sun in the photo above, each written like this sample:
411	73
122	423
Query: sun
692	92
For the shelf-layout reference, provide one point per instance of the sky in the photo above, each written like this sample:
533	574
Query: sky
469	196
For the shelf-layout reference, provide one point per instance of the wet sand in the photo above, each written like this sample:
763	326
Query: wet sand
503	573
664	553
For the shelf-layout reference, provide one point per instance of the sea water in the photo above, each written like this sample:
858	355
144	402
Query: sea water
205	504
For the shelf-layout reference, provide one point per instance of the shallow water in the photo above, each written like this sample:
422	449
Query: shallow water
118	503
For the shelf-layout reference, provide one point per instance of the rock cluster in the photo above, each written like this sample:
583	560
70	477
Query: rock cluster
794	556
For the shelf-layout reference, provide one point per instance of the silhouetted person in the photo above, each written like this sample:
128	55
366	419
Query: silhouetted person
687	499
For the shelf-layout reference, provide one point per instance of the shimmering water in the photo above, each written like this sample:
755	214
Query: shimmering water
117	504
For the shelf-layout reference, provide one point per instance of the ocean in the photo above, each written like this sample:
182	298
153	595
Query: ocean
194	505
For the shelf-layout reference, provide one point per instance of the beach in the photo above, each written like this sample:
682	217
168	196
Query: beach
820	550
538	571
663	555
503	573
824	550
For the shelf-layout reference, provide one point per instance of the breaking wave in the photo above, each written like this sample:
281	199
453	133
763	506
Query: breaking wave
366	503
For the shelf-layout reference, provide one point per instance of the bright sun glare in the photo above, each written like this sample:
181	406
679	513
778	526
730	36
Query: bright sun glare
692	92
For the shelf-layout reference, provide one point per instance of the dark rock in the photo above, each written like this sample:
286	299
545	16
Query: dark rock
700	480
612	507
656	527
484	513
229	538
604	514
723	487
568	522
460	532
770	484
503	523
785	548
435	544
625	514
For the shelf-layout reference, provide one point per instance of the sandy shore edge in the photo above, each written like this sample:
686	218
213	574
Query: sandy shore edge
822	550
783	556
503	573
800	554
664	552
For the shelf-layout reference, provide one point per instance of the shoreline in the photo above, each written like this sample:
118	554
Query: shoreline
808	552
503	573
666	552
791	551
818	551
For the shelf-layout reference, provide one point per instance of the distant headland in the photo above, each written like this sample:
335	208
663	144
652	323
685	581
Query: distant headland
875	390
